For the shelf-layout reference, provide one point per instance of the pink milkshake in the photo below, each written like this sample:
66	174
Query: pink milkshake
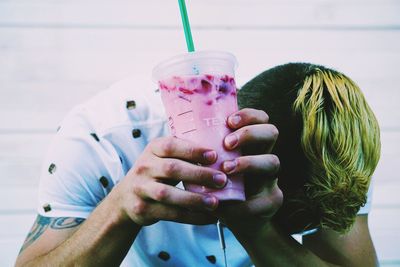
197	106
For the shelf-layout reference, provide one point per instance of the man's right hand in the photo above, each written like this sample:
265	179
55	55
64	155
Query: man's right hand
145	195
148	194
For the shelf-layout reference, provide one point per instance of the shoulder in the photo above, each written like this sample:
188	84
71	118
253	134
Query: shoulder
118	121
133	100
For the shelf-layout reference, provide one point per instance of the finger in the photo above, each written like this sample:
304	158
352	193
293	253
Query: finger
266	165
170	147
265	204
263	135
166	194
181	215
247	116
187	172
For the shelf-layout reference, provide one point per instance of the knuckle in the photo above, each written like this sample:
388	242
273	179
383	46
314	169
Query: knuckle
140	208
197	201
264	116
191	152
274	132
242	163
277	198
274	201
274	162
141	168
202	173
244	132
194	202
169	168
161	194
137	190
168	146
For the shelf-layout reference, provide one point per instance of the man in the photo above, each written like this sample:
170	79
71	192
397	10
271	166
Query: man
108	191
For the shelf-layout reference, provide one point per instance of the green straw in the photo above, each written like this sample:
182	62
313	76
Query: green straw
186	26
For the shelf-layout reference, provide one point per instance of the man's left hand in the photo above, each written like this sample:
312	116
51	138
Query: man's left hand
255	137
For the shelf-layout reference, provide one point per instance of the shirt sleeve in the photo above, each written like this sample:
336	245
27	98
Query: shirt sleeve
78	169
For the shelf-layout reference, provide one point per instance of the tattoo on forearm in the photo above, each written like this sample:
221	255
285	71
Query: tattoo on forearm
42	223
63	223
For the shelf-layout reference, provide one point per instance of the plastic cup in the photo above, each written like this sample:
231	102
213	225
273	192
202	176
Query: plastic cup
198	92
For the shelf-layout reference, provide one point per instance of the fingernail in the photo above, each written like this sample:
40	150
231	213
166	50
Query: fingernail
231	140
234	120
229	166
210	155
219	179
210	202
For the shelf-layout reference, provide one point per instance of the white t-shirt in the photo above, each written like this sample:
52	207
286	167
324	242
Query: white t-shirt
96	145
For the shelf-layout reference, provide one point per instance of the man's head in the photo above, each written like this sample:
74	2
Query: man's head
328	145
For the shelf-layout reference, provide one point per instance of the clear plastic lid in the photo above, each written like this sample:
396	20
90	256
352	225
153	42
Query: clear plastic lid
195	63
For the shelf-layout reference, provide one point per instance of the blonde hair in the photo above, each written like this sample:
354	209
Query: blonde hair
340	138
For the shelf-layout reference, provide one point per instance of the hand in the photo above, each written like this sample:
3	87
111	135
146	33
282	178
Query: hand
256	138
148	194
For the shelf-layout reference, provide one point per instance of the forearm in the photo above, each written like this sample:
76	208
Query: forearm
267	246
102	240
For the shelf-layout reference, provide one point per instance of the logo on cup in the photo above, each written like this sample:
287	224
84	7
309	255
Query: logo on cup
215	121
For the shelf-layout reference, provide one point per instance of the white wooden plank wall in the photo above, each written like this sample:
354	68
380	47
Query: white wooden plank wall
56	54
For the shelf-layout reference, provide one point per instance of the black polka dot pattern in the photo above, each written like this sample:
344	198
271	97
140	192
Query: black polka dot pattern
136	133
130	105
157	90
164	255
58	128
212	259
52	168
95	137
104	181
46	207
